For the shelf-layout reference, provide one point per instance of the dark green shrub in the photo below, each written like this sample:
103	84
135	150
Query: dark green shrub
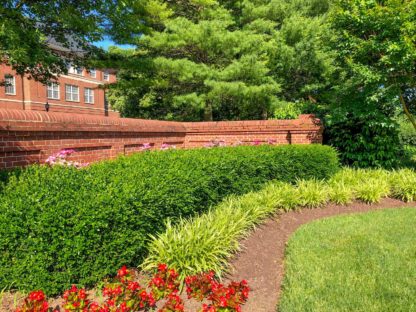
407	132
60	226
5	176
369	140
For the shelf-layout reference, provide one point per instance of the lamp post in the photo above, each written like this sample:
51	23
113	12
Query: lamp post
47	106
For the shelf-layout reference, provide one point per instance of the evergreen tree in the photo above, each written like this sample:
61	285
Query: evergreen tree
203	66
220	60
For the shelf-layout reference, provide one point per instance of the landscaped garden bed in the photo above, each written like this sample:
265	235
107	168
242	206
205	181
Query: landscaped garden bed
60	226
79	223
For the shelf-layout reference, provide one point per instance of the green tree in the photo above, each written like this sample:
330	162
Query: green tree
227	60
28	29
376	46
202	66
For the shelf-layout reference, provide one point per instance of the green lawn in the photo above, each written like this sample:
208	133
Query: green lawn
363	262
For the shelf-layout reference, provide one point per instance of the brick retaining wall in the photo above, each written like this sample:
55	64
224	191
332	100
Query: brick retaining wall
30	137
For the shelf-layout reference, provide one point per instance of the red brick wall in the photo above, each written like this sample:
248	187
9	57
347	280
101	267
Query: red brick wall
29	136
305	130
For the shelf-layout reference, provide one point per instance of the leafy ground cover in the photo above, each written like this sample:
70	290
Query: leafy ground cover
209	240
362	262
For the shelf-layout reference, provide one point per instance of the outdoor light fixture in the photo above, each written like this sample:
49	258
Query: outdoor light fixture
47	106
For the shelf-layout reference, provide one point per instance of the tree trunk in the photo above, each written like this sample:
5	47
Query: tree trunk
407	112
208	112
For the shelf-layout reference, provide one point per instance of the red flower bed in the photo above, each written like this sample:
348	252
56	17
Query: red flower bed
125	294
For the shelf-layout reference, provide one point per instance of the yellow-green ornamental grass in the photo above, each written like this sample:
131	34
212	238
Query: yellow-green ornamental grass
206	242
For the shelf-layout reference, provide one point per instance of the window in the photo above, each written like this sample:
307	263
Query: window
89	95
53	91
10	85
93	73
106	76
72	93
75	70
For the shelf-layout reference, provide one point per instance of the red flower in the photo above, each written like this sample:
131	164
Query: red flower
123	271
223	302
37	296
133	286
162	267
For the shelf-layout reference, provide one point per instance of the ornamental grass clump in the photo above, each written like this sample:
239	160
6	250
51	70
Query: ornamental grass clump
368	185
403	184
340	193
312	193
206	242
285	196
373	191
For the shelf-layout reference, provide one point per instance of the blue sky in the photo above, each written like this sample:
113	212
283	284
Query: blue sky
107	43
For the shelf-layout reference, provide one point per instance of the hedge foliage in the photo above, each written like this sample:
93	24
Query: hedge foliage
60	226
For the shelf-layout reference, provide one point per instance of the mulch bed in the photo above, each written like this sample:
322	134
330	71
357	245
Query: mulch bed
261	261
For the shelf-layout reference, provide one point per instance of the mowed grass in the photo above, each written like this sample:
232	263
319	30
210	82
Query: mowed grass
362	262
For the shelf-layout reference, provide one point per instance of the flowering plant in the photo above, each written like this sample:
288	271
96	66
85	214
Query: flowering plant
60	159
216	143
166	146
271	141
75	299
125	294
146	147
223	298
34	302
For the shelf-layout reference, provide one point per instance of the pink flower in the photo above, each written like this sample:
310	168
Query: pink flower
146	146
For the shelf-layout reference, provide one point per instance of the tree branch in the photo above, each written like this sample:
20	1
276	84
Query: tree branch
407	112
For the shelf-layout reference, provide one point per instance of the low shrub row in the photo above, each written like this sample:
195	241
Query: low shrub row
207	241
60	225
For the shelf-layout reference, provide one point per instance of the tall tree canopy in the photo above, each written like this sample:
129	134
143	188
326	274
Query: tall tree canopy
209	59
375	44
376	48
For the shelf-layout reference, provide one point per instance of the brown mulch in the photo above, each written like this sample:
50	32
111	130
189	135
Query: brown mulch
261	260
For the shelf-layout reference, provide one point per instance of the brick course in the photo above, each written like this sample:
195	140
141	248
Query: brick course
28	137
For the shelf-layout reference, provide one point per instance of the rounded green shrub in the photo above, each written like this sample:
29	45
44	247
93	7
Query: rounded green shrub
60	226
371	140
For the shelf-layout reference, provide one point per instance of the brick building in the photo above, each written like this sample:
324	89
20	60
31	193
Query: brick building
77	92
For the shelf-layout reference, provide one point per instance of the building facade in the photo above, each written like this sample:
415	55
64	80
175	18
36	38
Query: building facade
79	92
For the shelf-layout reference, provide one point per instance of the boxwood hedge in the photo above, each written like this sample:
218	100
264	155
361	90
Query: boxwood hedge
60	226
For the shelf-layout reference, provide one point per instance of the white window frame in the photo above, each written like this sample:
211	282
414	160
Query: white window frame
10	84
106	75
93	73
52	89
89	95
70	94
78	71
